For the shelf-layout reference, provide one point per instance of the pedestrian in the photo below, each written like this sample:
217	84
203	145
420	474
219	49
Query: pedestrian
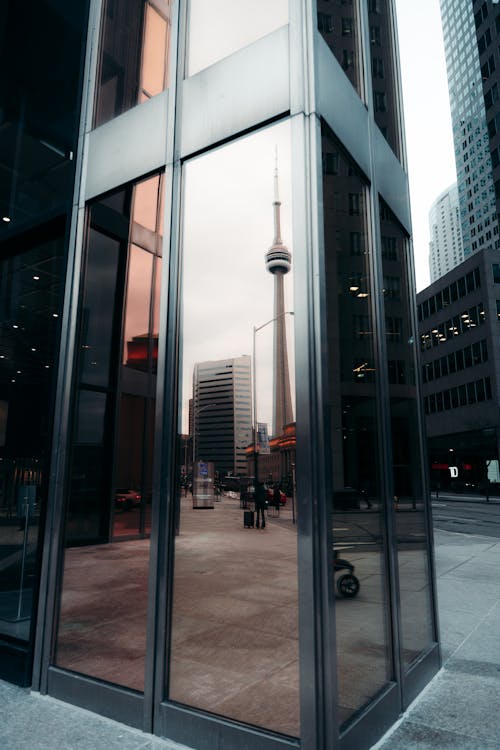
260	505
277	497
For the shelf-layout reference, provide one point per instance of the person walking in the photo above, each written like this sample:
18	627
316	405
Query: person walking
260	505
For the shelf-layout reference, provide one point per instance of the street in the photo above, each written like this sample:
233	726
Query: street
467	515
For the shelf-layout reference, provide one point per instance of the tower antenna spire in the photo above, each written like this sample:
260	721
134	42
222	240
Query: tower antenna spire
276	203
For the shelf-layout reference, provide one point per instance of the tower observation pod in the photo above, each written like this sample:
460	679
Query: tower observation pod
279	263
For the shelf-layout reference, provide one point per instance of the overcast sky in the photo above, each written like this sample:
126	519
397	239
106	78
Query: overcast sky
429	139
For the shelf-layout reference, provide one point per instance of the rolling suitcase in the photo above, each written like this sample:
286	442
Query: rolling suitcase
248	519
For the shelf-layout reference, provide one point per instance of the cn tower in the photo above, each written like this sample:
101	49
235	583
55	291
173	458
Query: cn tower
279	262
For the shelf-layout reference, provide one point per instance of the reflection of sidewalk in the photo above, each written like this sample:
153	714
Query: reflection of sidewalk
458	709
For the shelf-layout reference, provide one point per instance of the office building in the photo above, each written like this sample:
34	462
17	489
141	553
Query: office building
135	192
222	413
458	326
476	191
445	246
487	22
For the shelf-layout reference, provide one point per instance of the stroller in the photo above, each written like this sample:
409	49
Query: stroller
347	583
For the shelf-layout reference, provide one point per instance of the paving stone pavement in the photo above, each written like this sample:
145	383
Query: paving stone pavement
457	710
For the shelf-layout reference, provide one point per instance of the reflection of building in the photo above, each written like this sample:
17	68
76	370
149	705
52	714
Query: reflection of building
222	413
276	464
445	247
278	262
470	134
458	325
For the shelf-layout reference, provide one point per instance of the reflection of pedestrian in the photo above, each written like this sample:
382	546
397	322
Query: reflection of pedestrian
260	505
277	497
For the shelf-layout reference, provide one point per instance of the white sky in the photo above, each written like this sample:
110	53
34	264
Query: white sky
429	139
228	208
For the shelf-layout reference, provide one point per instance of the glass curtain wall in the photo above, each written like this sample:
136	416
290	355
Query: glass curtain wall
221	27
384	80
31	290
339	25
364	664
234	635
110	491
409	498
133	64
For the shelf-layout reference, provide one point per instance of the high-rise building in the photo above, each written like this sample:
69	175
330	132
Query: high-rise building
278	262
222	413
458	325
134	199
487	22
445	246
476	192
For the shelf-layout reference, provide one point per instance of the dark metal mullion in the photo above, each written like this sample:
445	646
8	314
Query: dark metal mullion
52	540
161	540
384	448
424	477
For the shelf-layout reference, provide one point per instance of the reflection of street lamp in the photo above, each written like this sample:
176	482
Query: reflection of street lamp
197	413
254	368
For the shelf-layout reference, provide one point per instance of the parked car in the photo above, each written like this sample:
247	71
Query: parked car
126	499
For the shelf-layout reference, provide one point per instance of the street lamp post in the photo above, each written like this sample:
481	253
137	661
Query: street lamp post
254	379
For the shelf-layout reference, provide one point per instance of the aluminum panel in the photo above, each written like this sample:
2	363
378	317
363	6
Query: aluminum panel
340	106
392	180
247	88
127	147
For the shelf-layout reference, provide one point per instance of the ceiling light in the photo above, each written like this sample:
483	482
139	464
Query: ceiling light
33	349
6	219
362	295
47	367
36	278
14	325
55	315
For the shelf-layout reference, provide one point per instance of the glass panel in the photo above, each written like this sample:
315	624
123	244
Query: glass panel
338	24
98	306
234	638
39	122
109	508
409	498
135	38
363	647
219	28
30	305
384	80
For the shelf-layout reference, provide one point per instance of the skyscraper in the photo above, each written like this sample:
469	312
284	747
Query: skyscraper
470	134
487	22
278	262
222	413
445	246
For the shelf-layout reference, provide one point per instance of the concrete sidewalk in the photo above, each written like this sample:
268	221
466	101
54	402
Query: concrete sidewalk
458	709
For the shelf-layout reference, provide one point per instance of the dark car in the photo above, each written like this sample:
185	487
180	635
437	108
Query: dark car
126	499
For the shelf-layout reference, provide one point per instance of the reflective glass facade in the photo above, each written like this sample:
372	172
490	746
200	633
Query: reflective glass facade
237	548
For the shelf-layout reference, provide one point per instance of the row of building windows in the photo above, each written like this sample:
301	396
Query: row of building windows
455	326
455	291
455	361
461	395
